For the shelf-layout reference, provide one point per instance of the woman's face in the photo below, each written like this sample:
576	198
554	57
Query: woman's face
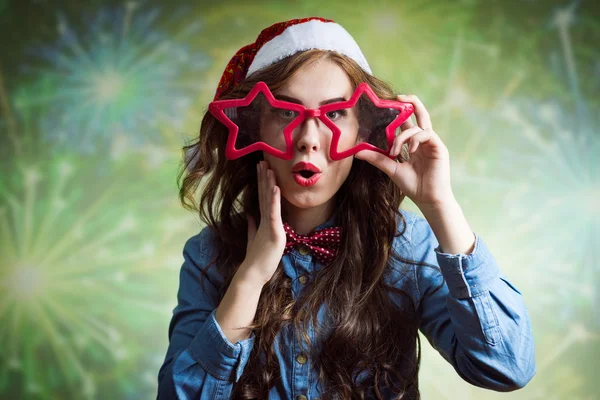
314	85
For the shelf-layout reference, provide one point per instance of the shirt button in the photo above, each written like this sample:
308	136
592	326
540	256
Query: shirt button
303	250
303	279
301	358
301	397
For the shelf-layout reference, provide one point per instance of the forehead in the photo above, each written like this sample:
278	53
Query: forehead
318	81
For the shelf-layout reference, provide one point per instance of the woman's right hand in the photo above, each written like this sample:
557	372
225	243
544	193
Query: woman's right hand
267	243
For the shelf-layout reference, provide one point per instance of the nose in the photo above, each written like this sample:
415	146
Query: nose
309	135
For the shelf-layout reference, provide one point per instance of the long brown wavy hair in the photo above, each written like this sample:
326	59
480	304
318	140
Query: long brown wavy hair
371	347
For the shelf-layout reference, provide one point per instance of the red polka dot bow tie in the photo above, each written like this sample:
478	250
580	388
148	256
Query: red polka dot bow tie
323	243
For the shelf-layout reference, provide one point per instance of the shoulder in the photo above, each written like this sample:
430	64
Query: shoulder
416	234
199	253
206	241
417	244
403	273
201	244
202	250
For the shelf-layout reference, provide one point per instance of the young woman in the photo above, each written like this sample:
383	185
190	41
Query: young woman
309	281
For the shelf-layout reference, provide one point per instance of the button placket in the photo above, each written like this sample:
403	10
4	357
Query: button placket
303	250
300	369
301	358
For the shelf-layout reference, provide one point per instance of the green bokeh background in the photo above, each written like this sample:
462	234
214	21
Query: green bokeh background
97	98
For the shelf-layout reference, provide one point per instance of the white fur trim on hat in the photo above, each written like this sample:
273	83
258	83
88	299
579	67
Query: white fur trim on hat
313	34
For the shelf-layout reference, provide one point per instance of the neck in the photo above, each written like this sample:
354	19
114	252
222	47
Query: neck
305	220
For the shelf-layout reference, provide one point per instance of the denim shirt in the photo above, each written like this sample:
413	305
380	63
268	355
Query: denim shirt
477	321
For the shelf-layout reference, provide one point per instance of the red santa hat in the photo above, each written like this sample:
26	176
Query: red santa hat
284	39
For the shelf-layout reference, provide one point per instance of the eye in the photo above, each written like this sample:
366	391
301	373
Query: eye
334	115
286	114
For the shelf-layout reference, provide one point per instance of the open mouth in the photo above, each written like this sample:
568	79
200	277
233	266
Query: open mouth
306	178
306	174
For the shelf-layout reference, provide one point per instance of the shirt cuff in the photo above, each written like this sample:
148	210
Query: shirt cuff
468	275
220	358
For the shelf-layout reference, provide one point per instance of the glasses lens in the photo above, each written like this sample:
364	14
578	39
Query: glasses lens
260	122
364	122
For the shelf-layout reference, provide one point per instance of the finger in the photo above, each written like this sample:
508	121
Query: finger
421	137
271	180
276	222
269	185
274	204
259	186
251	230
275	198
407	124
379	160
262	199
403	137
421	113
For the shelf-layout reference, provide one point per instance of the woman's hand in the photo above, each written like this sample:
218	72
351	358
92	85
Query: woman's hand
425	178
267	243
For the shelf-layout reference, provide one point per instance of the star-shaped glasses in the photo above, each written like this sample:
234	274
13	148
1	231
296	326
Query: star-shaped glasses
259	122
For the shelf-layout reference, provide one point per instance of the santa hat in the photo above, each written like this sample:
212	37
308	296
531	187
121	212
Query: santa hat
284	39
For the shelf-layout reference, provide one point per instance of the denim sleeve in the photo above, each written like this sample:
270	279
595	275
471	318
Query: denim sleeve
471	314
200	362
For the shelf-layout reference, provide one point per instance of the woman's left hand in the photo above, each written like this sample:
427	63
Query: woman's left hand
425	178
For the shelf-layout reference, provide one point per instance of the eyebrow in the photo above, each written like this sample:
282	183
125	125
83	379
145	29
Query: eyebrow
294	100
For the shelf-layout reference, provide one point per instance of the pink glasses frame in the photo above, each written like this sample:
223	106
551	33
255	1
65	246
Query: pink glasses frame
216	108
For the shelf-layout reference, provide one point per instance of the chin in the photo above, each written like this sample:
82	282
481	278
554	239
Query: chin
306	200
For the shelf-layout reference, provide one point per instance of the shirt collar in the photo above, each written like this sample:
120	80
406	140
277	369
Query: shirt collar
330	222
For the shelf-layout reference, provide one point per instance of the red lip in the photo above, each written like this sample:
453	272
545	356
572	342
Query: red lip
306	167
302	181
